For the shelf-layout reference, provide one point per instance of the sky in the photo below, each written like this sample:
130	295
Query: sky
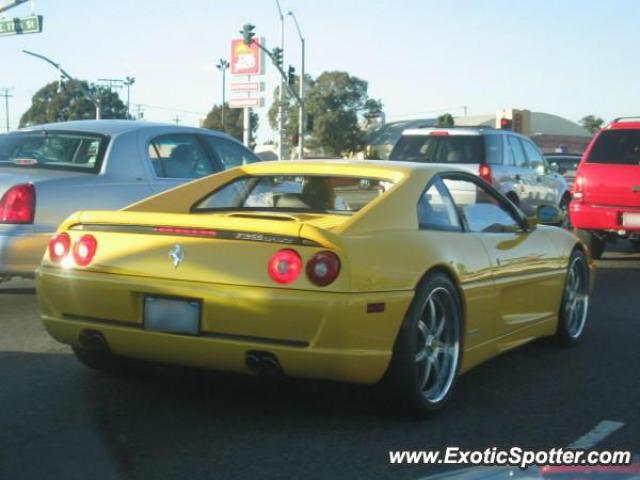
420	57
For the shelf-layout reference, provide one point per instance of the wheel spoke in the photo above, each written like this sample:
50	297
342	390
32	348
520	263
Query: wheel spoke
421	355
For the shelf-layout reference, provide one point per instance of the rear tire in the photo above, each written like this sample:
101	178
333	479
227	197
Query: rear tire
575	300
428	350
594	243
104	361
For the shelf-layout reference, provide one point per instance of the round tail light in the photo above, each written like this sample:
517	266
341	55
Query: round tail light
84	250
323	268
59	247
285	266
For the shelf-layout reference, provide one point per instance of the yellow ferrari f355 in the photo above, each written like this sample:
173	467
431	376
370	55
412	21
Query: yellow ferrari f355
364	272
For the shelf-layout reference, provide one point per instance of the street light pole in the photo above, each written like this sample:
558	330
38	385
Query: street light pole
281	92
92	98
128	81
223	65
301	86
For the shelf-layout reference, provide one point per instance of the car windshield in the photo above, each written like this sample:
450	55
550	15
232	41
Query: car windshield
439	149
297	193
569	163
53	150
617	146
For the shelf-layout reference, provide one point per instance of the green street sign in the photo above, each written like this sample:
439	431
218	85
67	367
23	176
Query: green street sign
21	25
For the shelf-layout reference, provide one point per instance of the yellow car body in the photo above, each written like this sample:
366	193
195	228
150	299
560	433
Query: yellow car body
510	284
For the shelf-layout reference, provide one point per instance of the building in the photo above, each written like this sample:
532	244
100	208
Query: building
551	132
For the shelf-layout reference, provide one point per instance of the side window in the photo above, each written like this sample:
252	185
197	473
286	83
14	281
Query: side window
436	210
229	154
534	157
517	153
179	156
493	149
483	211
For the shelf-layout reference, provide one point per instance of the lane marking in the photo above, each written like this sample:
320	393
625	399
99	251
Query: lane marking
601	431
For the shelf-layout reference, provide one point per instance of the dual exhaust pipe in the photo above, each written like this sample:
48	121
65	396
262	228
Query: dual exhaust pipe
264	364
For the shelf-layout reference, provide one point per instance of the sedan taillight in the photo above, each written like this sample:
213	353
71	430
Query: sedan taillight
18	205
84	250
323	268
59	247
285	266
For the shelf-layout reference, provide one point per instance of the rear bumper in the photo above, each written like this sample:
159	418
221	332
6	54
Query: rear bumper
595	217
21	252
313	334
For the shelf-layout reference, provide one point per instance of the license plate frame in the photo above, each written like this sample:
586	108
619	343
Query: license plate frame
175	315
631	219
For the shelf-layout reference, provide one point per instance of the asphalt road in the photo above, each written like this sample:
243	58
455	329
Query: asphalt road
60	420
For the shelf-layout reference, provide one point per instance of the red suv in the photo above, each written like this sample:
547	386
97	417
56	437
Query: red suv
606	191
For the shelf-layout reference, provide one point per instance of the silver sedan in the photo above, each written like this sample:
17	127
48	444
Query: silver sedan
50	171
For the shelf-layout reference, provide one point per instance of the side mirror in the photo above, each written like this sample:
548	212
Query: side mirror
549	215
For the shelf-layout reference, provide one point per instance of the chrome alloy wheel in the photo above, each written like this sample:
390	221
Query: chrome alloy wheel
576	297
438	345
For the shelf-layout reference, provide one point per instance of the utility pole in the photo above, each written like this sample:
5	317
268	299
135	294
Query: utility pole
301	93
223	65
281	92
5	93
176	119
139	112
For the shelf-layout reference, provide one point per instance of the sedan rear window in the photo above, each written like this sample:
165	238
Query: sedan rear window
297	193
616	146
439	149
53	150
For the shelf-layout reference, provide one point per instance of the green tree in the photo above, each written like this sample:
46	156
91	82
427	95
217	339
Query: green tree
339	104
591	123
446	120
69	102
233	121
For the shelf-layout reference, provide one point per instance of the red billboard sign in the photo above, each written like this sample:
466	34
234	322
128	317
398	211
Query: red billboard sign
246	59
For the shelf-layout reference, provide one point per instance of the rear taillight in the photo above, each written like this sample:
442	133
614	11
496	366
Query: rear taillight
18	204
578	187
84	250
323	268
285	266
59	247
485	173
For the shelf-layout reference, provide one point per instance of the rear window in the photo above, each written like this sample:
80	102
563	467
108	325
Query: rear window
439	149
53	150
297	193
616	146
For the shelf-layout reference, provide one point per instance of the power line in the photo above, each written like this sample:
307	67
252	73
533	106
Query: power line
172	109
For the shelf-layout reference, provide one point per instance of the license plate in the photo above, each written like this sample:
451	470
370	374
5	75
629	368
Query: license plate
631	219
171	315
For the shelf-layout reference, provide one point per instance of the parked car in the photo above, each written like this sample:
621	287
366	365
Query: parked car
606	192
352	271
49	171
566	164
510	162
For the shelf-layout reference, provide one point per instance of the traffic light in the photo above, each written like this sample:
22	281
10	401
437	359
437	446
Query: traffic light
276	56
309	124
247	33
291	76
506	124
